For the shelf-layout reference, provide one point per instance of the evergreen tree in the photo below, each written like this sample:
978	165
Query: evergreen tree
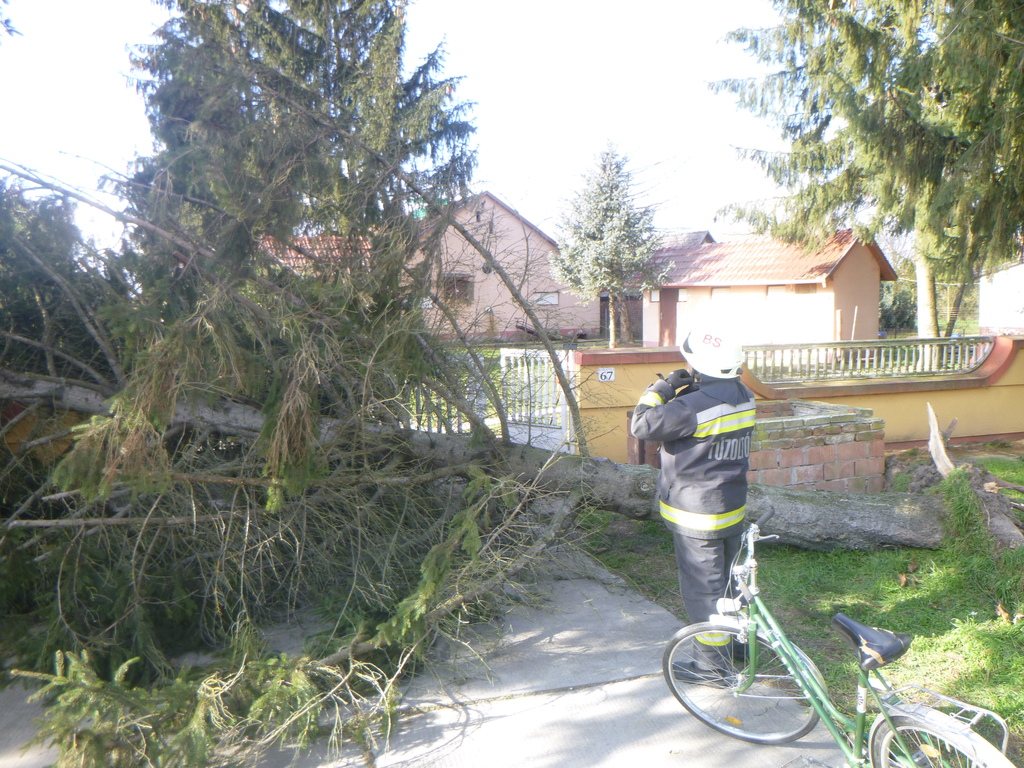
608	242
901	115
294	118
248	452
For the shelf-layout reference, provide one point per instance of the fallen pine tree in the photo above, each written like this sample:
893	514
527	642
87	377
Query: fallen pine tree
810	519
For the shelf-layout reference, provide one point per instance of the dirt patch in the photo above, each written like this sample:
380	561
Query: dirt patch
917	465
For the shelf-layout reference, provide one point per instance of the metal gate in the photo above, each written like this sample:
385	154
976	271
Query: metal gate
536	407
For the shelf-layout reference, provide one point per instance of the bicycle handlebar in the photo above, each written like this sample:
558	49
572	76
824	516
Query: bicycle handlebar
765	518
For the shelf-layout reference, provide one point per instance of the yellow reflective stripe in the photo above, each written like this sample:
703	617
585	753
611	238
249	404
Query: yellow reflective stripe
731	422
714	638
695	521
651	398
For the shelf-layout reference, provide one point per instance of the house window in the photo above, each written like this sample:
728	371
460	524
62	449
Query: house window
456	288
655	296
545	298
681	296
806	288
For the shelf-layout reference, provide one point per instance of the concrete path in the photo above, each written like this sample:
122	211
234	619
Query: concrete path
570	680
16	728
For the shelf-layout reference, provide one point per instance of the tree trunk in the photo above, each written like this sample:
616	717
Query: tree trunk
954	314
613	320
625	325
817	520
927	321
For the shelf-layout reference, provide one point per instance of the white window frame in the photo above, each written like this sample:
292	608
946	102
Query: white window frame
546	298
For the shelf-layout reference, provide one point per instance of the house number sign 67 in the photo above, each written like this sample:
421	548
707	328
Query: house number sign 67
606	374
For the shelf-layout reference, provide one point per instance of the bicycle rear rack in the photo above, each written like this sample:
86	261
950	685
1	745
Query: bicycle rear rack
914	700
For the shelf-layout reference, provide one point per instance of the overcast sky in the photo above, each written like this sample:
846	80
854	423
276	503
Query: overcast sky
552	81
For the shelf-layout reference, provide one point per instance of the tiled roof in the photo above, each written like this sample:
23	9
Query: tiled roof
687	239
318	250
760	262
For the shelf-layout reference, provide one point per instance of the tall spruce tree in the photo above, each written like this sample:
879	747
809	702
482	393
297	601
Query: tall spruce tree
901	115
295	118
249	451
276	267
607	242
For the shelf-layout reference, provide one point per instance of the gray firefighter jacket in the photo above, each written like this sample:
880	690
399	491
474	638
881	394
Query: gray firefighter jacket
705	454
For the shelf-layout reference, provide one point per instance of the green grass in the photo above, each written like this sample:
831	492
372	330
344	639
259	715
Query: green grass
947	599
1010	470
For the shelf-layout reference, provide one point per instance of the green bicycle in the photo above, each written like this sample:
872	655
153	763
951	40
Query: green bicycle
739	674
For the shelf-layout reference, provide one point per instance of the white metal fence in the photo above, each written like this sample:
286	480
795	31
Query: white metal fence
426	412
867	359
534	403
537	412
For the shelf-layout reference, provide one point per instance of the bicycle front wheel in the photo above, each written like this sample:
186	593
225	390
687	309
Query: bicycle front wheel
744	692
932	745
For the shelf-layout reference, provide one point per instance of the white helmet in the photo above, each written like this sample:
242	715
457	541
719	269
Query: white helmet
713	354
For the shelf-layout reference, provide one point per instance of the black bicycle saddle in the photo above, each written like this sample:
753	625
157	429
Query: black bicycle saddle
875	647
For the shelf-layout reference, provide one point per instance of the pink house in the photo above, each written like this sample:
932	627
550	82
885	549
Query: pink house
461	279
482	303
779	292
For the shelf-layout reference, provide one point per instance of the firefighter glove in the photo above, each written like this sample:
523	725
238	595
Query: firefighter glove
680	381
662	389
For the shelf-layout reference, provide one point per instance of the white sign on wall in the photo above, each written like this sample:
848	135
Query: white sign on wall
606	374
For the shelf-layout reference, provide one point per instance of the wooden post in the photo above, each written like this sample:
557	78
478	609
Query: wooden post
641	451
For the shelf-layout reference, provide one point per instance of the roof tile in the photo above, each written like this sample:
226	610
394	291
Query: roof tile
302	252
753	262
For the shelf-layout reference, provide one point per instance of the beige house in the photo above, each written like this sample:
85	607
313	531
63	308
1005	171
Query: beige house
483	304
777	292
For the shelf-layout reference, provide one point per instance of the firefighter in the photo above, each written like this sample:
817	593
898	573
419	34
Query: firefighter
704	421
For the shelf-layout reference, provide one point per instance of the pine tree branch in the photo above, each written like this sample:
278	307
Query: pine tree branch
15	420
416	188
88	321
85	367
63	190
108	522
47	440
492	390
559	522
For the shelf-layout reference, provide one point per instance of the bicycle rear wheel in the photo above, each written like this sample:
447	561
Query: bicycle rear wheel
932	745
763	705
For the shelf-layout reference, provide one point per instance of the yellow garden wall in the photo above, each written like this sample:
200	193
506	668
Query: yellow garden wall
604	403
988	404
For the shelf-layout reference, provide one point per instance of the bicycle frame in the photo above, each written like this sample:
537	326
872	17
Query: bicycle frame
749	613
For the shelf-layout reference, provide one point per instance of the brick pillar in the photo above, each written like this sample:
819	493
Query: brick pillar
641	451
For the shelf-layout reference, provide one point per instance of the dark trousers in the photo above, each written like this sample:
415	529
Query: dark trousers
704	571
